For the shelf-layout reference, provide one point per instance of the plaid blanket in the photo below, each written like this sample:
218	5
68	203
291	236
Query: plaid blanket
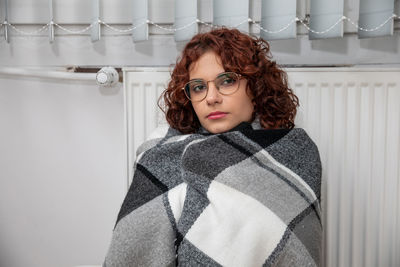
247	197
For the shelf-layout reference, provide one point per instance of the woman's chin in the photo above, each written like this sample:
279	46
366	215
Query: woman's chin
218	128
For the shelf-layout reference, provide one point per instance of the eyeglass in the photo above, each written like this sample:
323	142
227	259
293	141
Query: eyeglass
226	83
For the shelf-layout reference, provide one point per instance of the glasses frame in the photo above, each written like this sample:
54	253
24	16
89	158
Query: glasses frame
206	82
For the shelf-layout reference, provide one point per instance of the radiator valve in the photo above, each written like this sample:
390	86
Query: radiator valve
107	76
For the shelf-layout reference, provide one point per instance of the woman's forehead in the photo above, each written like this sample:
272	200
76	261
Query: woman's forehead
208	66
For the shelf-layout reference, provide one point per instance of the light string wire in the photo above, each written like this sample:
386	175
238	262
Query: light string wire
198	21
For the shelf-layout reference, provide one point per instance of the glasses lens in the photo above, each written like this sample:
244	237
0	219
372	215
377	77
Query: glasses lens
196	90
227	83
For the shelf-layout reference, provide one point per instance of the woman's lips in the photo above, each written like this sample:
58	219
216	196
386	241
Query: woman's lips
216	115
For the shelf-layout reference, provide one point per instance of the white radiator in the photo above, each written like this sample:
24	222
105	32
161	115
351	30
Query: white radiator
353	115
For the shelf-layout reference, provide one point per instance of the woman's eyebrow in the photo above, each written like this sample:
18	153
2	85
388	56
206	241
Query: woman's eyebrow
205	79
197	79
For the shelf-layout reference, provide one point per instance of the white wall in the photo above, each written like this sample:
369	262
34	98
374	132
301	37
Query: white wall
62	171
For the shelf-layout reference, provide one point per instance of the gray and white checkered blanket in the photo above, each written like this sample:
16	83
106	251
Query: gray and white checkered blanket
241	198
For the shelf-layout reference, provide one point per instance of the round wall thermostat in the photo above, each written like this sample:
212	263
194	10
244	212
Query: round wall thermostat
107	76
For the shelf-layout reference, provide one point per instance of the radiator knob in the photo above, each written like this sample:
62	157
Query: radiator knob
107	76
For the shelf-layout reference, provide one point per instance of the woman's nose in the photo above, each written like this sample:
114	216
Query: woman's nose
213	95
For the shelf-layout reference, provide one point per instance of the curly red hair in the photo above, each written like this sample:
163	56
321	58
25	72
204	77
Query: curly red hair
274	102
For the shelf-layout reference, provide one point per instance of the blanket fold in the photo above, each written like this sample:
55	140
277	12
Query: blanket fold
241	198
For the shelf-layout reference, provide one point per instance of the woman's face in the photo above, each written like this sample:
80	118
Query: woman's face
229	110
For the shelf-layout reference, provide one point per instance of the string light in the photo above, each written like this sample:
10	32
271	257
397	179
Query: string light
197	21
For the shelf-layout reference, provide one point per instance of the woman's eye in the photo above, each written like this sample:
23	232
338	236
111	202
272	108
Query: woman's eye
198	88
228	81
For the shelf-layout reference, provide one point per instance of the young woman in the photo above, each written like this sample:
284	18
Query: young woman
232	183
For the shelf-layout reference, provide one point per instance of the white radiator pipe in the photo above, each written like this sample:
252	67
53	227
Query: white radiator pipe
51	74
